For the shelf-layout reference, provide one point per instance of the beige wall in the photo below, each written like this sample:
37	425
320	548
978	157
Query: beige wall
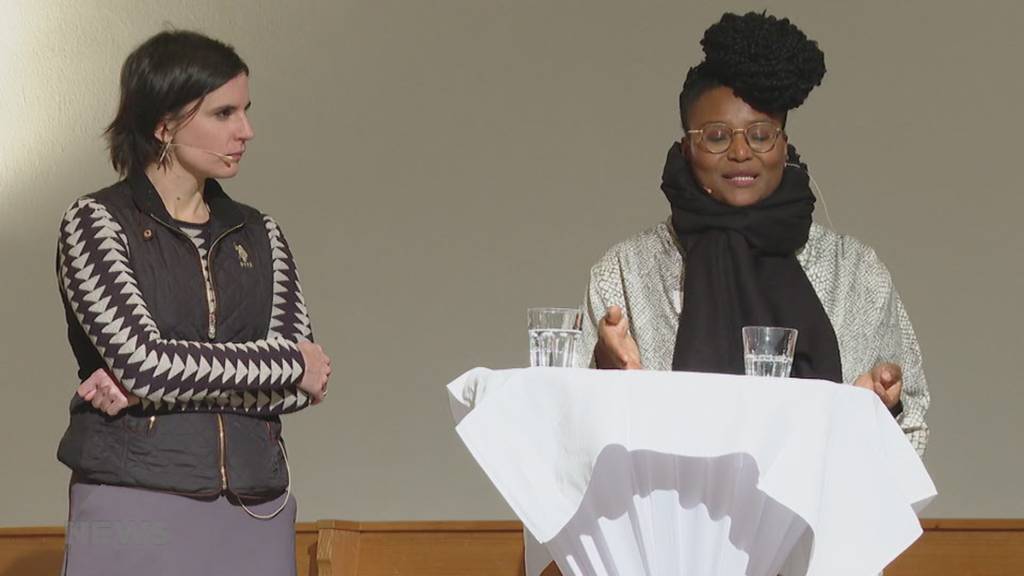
440	166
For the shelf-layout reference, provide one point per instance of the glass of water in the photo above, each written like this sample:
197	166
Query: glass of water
554	333
768	350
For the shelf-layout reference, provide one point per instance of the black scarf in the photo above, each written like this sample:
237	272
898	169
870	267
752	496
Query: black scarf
741	270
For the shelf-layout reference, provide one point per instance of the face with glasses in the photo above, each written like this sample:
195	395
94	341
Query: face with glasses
736	153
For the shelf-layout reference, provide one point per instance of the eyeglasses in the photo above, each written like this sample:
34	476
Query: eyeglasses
716	137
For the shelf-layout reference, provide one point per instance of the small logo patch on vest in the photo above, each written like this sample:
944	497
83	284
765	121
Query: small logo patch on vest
243	256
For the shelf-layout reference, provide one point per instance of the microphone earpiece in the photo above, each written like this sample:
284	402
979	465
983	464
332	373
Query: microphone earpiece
821	194
224	157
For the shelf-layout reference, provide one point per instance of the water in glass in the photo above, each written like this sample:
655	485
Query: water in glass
775	366
553	347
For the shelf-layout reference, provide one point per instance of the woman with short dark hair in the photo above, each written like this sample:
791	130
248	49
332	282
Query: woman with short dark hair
740	247
187	321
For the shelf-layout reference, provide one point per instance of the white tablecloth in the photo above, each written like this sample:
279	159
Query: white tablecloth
667	473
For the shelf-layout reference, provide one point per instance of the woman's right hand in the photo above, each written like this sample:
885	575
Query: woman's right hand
317	371
885	380
105	395
615	347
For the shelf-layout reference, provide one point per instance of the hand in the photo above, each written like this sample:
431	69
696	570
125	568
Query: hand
615	347
317	372
105	394
886	380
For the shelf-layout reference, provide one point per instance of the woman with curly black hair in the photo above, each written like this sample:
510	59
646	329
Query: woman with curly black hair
740	247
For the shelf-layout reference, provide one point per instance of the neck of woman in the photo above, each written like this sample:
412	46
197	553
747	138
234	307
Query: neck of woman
181	192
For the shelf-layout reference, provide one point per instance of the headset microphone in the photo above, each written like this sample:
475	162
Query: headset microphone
820	193
224	157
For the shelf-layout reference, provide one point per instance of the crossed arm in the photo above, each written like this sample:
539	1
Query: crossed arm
283	372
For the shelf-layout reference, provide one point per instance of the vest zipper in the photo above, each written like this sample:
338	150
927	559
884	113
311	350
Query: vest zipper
211	304
223	469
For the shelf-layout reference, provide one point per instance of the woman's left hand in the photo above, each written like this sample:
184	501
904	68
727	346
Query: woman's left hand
886	380
104	394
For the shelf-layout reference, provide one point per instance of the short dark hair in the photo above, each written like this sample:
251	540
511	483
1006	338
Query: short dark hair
767	61
697	82
158	79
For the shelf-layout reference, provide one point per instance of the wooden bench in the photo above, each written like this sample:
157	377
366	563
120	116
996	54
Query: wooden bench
495	548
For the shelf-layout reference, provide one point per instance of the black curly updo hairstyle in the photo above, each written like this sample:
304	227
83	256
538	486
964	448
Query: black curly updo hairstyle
767	61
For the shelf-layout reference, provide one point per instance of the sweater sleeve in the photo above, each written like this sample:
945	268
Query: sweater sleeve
100	287
604	290
895	341
289	318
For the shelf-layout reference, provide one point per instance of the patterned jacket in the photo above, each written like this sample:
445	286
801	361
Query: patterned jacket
208	344
644	276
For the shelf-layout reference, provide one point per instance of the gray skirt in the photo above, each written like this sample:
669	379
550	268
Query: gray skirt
118	531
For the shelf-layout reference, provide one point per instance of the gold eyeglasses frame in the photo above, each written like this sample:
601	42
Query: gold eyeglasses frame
732	134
